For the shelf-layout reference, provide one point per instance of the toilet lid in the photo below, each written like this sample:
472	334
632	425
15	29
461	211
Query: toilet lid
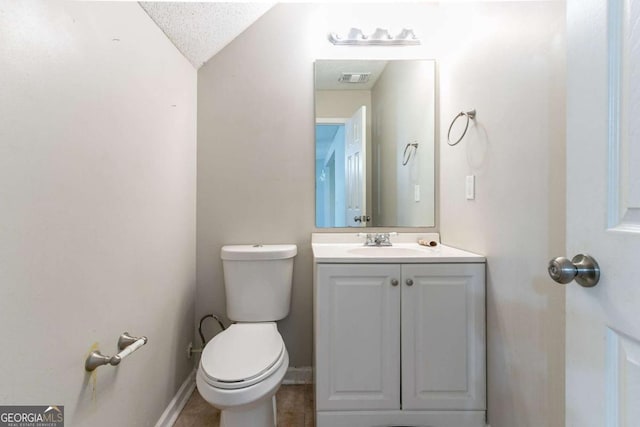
242	353
257	252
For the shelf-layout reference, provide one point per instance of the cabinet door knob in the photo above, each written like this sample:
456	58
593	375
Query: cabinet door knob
409	282
394	282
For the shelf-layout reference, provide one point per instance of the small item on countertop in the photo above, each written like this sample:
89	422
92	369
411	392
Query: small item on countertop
430	243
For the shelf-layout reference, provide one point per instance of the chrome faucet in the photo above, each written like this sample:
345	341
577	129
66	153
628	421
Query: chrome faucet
378	239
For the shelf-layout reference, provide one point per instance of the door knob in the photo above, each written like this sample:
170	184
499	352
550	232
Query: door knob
584	269
409	282
394	282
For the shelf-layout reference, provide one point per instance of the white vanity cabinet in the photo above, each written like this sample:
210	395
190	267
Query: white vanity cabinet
400	344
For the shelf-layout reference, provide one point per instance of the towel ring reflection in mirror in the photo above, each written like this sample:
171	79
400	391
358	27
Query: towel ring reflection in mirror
471	115
407	156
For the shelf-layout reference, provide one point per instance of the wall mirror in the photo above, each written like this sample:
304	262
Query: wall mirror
375	143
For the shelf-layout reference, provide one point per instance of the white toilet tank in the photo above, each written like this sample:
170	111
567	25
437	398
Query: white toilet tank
257	281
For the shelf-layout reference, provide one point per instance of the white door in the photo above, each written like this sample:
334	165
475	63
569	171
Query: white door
357	336
603	212
355	168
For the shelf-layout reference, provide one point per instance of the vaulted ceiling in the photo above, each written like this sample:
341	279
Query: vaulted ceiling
200	30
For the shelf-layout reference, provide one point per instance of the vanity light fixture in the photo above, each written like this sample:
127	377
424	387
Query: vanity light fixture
380	37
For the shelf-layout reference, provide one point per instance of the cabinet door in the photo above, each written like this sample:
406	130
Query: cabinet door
443	337
357	323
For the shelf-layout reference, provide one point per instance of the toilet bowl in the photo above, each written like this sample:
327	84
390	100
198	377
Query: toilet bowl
242	367
240	371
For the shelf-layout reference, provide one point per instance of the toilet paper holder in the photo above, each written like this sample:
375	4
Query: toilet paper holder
127	344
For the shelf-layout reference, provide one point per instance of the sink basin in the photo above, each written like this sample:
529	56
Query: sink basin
387	251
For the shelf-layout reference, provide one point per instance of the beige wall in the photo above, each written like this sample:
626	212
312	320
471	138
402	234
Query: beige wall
507	62
97	211
403	101
256	162
256	167
342	104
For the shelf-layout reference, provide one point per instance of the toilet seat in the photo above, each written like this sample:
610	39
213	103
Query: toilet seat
242	355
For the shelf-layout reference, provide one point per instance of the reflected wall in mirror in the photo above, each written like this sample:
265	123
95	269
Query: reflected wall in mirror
375	143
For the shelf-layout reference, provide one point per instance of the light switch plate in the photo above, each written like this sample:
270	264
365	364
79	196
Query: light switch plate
470	187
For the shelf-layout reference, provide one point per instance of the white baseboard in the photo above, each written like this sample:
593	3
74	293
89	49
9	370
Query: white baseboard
301	375
170	415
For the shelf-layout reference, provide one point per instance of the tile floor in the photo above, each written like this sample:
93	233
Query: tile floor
294	405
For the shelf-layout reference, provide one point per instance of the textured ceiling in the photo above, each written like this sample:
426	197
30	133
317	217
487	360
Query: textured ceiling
200	30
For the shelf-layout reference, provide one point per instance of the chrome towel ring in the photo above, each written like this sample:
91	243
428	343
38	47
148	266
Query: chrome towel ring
471	115
406	157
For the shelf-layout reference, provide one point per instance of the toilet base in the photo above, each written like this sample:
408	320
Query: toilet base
259	414
252	406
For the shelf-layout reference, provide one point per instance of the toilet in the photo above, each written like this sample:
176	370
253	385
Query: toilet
242	367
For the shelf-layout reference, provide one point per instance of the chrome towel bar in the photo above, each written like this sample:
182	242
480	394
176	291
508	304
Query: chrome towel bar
126	344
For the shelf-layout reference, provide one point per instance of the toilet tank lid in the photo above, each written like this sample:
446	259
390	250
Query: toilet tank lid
257	252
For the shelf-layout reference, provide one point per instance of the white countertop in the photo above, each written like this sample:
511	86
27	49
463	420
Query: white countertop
404	250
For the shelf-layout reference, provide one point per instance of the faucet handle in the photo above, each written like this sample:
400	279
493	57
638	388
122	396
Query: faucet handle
369	238
383	239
